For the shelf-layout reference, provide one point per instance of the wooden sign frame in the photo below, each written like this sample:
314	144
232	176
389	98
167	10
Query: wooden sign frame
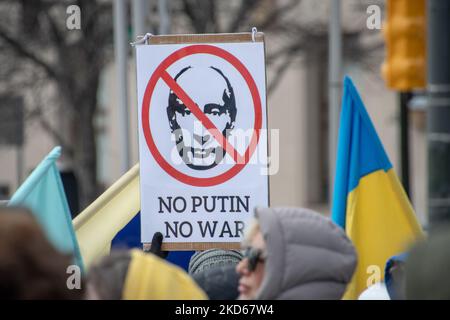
208	38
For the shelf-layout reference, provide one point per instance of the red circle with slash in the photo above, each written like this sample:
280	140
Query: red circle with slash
161	73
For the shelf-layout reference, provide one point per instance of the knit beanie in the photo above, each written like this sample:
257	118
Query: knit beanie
204	260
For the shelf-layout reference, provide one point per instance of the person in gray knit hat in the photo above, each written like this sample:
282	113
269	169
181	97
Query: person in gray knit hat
215	272
209	259
295	253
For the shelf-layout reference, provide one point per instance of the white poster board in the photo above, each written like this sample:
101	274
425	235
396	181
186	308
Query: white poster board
202	138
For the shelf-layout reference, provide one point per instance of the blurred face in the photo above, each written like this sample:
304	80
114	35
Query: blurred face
91	292
251	268
195	144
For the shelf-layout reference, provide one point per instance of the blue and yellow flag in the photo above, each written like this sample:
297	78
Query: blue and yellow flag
368	202
43	193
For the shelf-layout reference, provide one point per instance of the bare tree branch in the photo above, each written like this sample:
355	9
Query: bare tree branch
242	12
25	52
38	113
275	15
56	136
283	67
189	9
57	37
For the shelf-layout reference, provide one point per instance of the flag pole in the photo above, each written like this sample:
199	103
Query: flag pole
164	17
334	88
121	56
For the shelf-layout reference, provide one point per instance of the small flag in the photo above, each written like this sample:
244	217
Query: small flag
43	193
100	222
368	202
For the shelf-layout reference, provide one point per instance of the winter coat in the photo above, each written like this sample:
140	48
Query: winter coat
308	256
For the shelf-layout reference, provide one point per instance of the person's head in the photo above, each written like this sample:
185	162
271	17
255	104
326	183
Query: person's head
295	253
195	144
427	266
251	268
30	267
212	258
107	276
135	275
214	270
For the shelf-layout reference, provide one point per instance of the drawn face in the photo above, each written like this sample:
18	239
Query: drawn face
210	89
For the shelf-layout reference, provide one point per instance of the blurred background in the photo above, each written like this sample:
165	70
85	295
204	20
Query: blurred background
63	85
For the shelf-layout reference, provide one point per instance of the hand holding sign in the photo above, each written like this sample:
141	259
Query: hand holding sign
156	246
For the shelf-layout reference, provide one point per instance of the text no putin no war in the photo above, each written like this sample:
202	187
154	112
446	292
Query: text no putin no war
208	204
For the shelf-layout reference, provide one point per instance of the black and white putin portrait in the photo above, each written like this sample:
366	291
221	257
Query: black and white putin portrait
212	92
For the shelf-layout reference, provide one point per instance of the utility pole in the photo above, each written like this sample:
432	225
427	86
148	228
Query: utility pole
438	113
164	17
405	98
121	44
404	66
139	14
334	88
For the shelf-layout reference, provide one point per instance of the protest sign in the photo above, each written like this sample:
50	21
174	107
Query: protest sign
202	137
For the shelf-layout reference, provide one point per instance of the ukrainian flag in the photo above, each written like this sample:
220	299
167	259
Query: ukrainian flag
43	193
368	202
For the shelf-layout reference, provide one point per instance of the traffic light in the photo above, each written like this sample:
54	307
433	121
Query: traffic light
404	67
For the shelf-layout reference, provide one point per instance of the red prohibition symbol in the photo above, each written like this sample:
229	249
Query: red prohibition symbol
161	73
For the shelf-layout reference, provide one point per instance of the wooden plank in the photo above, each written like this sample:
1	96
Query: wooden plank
197	246
206	38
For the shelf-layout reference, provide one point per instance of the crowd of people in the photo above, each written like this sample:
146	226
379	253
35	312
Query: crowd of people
287	253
